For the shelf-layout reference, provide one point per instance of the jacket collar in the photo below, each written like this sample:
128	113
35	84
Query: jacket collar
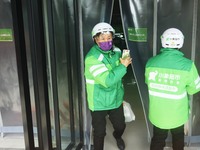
172	51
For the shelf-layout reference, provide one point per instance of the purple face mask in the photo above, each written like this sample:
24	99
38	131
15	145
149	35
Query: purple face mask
106	46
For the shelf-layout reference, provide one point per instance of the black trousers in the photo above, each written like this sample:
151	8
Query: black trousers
117	119
160	135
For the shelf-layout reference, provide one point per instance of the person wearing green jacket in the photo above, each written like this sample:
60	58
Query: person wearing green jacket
170	77
104	70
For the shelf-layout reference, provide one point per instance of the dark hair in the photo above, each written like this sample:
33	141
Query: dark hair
98	34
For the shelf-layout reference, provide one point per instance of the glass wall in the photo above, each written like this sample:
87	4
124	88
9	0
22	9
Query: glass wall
49	73
62	67
57	69
11	126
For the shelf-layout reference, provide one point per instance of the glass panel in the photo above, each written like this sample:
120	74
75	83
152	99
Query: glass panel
196	98
32	97
11	126
72	55
58	70
31	78
61	72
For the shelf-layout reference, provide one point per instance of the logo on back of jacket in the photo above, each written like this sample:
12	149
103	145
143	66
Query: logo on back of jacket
164	81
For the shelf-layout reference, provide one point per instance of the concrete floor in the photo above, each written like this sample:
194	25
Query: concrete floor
12	142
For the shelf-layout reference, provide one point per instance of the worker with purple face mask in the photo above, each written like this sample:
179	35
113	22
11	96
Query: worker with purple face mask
104	70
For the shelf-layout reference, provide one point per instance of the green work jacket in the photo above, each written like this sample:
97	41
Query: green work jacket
170	78
103	76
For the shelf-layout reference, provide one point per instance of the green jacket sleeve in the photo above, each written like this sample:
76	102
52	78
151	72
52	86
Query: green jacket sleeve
194	81
102	74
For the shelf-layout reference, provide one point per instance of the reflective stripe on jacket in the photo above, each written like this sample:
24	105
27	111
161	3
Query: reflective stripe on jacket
170	77
103	75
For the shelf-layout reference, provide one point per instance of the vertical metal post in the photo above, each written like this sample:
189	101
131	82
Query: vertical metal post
18	25
193	51
34	39
155	23
77	16
40	72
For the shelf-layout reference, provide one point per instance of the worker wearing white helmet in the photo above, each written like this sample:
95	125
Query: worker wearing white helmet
170	78
103	33
104	70
172	38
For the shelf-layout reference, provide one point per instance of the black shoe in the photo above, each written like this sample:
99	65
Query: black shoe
120	143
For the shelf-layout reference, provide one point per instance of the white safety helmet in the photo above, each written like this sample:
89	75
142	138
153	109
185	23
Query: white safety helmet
172	38
102	27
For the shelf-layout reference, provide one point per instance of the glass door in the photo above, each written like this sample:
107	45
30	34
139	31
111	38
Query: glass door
64	71
11	126
49	68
